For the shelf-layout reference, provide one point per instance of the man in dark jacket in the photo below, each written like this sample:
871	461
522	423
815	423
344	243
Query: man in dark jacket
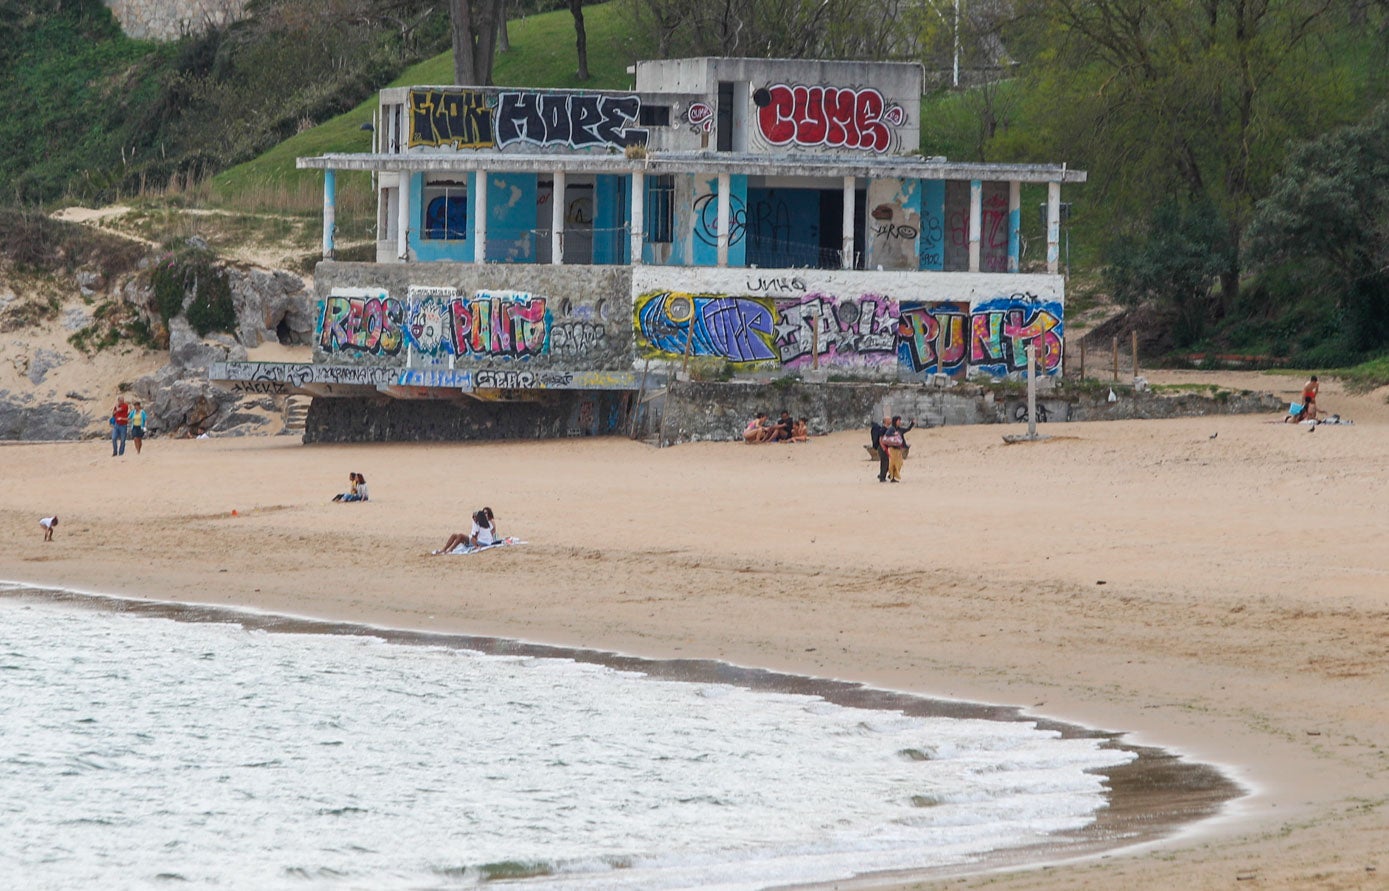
876	432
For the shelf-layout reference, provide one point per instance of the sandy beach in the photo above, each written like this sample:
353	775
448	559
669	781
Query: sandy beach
1218	586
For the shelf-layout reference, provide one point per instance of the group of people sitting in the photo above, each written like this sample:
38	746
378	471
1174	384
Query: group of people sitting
783	429
358	490
482	535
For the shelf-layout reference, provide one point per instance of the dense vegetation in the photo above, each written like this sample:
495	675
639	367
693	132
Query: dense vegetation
1235	147
91	114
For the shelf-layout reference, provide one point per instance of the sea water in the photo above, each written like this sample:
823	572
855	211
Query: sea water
140	752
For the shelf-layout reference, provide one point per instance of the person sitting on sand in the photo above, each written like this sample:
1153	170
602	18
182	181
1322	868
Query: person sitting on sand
484	531
781	430
48	524
800	431
351	491
756	430
359	489
482	534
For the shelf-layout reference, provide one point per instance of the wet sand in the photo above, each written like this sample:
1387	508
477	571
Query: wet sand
1226	598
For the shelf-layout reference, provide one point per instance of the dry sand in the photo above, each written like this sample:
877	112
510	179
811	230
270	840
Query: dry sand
1226	597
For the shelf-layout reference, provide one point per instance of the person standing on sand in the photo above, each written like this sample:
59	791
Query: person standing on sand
894	441
48	524
875	434
137	426
120	419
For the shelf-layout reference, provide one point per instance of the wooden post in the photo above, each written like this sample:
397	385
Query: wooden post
689	345
1114	349
815	338
1032	391
1082	358
1135	354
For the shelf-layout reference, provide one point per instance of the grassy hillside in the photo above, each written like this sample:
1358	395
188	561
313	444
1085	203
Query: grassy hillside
542	55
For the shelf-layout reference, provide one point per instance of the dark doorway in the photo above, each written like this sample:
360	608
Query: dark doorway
832	228
725	116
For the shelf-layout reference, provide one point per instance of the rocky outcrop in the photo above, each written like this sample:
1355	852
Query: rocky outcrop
25	417
272	306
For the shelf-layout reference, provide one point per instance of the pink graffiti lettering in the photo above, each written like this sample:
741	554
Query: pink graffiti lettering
830	116
499	326
363	325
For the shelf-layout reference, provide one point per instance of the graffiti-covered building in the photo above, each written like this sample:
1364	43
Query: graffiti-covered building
775	215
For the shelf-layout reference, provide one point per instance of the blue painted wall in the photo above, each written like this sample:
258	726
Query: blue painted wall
931	240
783	227
706	221
511	199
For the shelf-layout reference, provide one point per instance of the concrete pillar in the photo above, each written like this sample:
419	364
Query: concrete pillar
725	186
557	219
1053	227
638	216
480	224
402	228
846	250
976	215
330	211
1014	222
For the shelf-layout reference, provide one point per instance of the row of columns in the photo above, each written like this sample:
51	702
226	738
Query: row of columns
638	220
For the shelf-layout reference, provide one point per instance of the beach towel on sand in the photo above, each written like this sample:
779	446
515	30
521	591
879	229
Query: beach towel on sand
505	542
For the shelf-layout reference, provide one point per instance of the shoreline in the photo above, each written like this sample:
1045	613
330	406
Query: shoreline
1224	598
1158	795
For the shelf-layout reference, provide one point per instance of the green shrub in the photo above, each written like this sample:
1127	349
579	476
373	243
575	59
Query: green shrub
212	308
192	284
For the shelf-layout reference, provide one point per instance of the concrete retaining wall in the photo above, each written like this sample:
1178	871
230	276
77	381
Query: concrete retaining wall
377	419
696	411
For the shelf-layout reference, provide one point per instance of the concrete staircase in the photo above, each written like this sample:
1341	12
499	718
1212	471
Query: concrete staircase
296	412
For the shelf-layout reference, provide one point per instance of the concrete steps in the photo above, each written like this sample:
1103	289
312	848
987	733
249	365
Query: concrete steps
296	411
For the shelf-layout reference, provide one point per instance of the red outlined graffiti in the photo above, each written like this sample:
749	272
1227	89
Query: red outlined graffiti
837	117
700	117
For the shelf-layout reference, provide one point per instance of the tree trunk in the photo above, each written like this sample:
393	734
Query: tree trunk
503	36
474	40
576	8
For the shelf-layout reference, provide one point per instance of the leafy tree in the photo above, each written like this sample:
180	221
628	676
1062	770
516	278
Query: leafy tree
1174	262
1328	213
1188	98
787	29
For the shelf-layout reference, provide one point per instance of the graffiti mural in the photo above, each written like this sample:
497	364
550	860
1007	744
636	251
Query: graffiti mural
487	325
700	117
738	329
475	119
811	116
576	339
989	338
859	331
869	331
706	219
457	118
361	322
573	120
